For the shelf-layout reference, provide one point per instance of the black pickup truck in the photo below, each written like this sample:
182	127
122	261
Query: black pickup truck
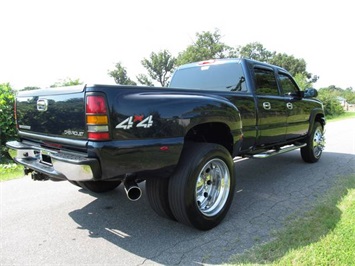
182	140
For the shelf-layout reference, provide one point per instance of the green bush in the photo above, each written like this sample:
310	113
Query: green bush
7	119
332	106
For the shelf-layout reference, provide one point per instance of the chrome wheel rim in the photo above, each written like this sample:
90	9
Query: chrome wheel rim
318	142
212	187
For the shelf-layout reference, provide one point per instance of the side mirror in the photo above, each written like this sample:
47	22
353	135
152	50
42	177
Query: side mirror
310	93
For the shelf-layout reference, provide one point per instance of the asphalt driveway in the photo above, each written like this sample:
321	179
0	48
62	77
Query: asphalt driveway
58	223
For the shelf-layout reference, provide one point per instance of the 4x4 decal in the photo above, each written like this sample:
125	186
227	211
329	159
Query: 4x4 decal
130	122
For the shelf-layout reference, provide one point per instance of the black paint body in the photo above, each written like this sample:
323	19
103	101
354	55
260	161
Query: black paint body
239	118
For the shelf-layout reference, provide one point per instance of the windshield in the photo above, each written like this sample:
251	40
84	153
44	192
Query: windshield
227	77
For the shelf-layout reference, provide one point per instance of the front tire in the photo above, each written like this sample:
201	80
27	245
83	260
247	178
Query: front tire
99	186
202	189
315	144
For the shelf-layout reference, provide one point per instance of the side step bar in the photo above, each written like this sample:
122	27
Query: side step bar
270	153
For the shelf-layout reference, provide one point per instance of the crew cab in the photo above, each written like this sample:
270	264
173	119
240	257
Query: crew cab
180	140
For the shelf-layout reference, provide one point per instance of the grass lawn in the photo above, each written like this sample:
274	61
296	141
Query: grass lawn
341	117
9	170
324	235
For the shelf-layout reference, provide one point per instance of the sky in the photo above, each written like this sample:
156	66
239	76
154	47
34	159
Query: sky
42	41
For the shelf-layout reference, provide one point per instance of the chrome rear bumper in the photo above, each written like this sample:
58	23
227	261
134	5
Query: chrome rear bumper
55	164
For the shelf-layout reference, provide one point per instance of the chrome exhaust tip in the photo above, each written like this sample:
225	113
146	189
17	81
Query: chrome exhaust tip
132	190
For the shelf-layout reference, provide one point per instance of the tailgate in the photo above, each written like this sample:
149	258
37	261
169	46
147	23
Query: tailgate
53	111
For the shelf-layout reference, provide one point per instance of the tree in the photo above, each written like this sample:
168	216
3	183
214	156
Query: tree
332	106
7	119
349	95
160	66
302	81
333	92
66	82
207	46
255	51
293	65
144	80
119	74
289	62
329	96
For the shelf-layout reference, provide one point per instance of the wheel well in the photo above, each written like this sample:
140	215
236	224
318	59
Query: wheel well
320	118
212	133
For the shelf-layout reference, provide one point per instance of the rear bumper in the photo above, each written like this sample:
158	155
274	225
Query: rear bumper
55	164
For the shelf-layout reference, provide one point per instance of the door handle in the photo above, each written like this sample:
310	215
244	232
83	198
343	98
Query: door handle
266	105
289	106
42	105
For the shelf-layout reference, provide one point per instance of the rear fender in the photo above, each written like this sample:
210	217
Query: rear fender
144	115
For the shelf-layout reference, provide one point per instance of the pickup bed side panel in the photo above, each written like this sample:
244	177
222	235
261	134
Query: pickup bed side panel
148	127
140	113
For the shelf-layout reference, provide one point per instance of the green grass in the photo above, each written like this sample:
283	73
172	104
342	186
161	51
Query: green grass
341	117
324	235
9	170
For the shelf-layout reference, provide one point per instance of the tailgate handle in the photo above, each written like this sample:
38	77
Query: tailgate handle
42	105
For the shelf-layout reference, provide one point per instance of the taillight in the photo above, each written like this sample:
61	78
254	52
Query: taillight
96	105
97	118
208	62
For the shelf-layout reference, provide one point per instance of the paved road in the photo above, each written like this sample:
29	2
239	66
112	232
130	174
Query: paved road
54	223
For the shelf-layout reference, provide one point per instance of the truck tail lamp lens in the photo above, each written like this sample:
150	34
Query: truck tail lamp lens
96	105
99	135
97	118
93	128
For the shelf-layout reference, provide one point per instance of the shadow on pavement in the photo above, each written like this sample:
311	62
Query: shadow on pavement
268	191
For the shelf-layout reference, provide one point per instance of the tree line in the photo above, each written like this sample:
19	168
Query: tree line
208	45
160	65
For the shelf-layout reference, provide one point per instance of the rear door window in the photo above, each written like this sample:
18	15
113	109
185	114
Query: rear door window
265	82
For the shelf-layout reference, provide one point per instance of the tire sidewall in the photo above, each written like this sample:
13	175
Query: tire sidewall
308	151
316	126
193	166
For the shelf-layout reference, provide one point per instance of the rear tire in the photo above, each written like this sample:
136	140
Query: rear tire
202	189
99	186
315	144
157	193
